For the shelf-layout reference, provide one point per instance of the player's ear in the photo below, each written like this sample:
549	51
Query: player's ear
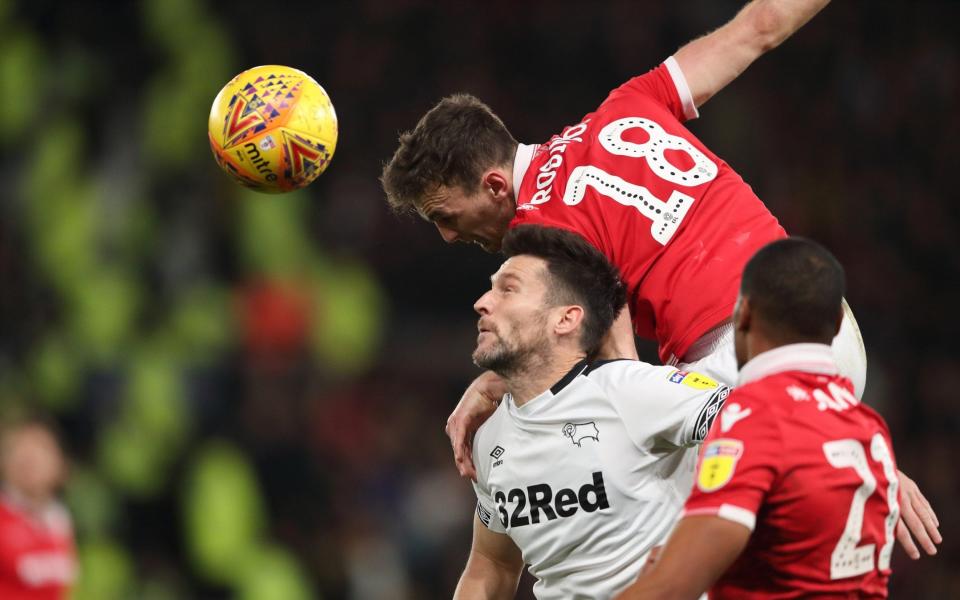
495	183
568	319
742	314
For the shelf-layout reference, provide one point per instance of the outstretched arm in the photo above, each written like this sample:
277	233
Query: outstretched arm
711	543
493	567
711	62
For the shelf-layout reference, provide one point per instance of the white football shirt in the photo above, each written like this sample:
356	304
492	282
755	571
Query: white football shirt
591	474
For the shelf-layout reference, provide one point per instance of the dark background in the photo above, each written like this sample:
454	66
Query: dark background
253	388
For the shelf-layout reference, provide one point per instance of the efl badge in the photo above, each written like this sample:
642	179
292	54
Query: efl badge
719	461
694	380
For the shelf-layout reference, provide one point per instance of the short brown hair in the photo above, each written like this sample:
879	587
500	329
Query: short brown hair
452	145
579	274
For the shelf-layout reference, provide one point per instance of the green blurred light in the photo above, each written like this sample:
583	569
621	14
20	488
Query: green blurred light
65	242
93	505
178	100
349	317
6	7
55	372
223	510
171	22
156	404
272	573
102	313
55	167
173	123
273	239
133	460
202	324
21	78
106	572
160	589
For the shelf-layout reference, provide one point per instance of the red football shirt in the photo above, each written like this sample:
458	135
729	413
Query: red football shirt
678	222
795	457
36	553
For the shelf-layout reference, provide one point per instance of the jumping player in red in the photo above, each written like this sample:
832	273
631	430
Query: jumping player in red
797	489
37	558
675	219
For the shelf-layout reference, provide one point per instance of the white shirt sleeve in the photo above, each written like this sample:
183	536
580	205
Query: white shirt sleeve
683	89
662	404
487	509
486	505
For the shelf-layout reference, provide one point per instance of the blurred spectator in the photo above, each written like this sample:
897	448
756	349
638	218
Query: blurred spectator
37	560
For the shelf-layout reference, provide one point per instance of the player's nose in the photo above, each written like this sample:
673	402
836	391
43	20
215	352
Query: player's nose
448	235
482	305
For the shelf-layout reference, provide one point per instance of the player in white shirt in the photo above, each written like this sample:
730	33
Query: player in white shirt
585	466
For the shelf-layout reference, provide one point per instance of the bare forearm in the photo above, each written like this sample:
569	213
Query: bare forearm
709	542
776	20
656	588
714	60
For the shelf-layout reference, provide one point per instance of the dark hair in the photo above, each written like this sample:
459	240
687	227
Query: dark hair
580	274
452	145
797	287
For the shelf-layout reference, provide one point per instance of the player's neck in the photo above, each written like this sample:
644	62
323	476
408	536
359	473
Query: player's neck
29	503
535	379
762	342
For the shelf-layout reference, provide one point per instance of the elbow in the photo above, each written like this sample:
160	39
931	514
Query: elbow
770	25
773	22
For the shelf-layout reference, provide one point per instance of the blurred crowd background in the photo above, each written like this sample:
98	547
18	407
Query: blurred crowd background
252	389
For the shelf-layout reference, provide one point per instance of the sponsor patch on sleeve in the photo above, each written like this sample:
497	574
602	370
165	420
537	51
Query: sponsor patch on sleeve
718	464
697	381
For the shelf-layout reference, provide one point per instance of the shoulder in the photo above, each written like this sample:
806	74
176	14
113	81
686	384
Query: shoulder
654	381
485	440
766	396
626	381
610	373
664	85
775	401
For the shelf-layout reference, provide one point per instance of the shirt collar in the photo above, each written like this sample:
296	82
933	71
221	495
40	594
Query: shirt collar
810	358
521	163
578	369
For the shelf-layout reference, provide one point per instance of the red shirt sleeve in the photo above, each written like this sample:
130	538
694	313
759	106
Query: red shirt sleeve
739	461
664	84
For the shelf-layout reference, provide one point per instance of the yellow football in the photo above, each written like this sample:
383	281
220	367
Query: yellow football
273	129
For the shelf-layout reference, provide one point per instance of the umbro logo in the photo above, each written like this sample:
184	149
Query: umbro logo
496	453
